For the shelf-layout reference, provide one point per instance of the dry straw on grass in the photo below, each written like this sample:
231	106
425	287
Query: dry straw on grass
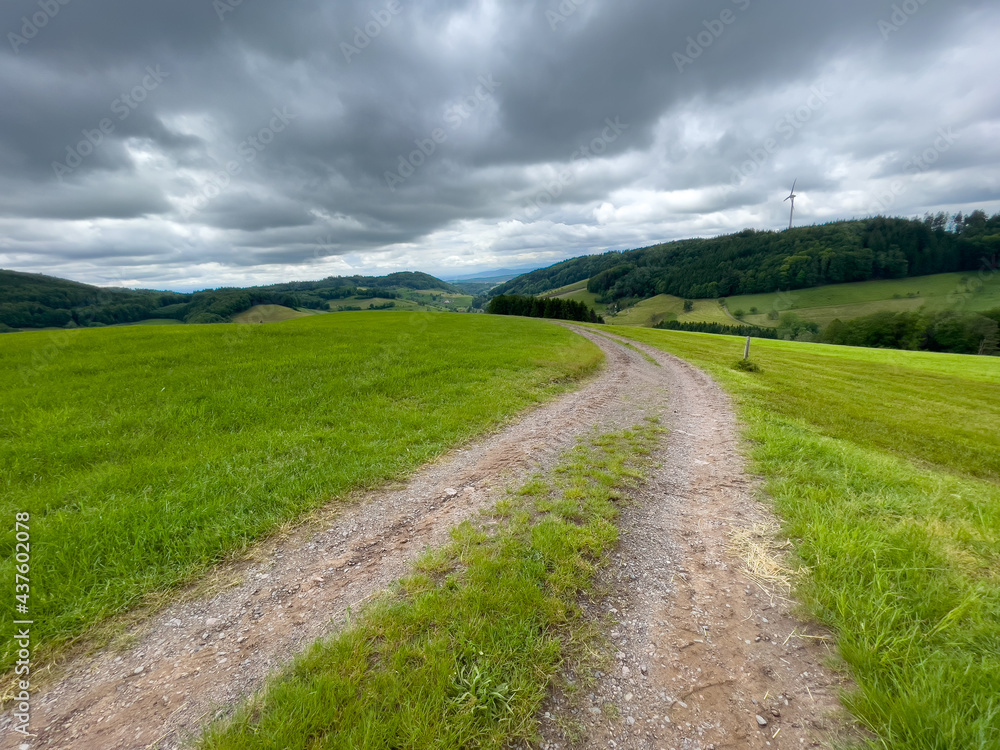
762	551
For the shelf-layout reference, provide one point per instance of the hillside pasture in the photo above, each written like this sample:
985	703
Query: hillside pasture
435	298
650	312
578	293
401	305
646	313
270	314
964	291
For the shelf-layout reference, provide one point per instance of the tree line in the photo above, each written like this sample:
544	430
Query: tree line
720	329
539	307
934	331
757	262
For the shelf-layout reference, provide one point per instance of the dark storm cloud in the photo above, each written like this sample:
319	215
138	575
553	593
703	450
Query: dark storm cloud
260	137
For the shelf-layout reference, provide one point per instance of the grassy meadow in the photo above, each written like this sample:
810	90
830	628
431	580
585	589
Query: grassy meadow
463	652
408	300
145	454
270	314
885	467
650	312
578	293
845	301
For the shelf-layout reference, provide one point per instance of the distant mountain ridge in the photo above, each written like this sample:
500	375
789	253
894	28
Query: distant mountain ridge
497	275
39	301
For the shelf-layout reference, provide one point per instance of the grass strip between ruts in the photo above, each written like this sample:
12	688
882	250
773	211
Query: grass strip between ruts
462	652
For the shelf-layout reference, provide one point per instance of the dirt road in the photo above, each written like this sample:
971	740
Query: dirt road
703	655
700	651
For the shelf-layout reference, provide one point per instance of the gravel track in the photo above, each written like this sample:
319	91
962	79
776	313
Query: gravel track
702	656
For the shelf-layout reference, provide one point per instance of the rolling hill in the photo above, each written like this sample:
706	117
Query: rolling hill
763	262
33	301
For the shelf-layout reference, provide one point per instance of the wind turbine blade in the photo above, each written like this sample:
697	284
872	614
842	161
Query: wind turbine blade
794	184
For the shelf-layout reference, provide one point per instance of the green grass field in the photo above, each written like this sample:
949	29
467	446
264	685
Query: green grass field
410	301
845	301
402	305
578	293
145	454
579	286
270	314
885	467
650	312
437	299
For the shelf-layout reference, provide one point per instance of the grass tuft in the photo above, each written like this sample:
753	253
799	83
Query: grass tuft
746	365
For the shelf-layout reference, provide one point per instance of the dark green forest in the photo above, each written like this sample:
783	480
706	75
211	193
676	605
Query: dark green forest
756	262
37	301
537	307
942	331
720	329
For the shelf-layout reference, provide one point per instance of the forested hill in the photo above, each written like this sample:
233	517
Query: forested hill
405	280
37	301
754	262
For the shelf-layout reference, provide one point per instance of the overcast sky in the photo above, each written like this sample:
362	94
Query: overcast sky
190	143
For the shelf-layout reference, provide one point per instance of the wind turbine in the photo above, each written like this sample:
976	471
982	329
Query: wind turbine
791	197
